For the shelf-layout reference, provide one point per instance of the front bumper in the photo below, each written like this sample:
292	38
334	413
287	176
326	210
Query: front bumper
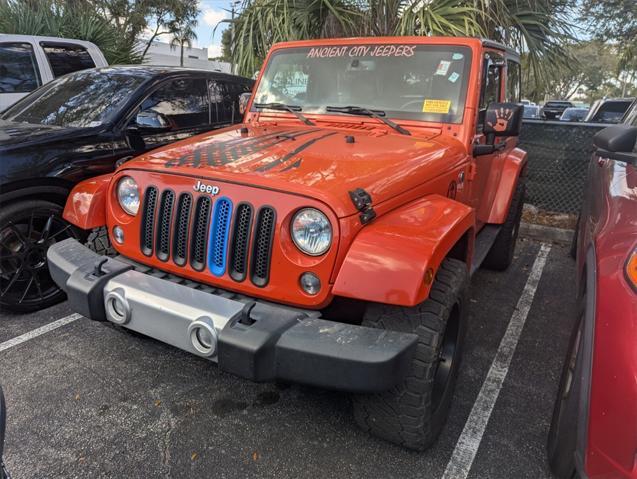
252	339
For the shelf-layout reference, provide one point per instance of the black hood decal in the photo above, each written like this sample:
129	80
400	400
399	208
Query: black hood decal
221	153
292	154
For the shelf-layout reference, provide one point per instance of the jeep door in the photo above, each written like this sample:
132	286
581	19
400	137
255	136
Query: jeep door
487	167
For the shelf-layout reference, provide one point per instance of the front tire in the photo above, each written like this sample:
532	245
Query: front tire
413	413
562	439
500	255
27	229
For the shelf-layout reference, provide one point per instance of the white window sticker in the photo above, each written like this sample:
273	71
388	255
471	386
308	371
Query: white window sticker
443	67
453	78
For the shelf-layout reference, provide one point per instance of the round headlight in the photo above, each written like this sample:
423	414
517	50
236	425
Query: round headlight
311	231
128	195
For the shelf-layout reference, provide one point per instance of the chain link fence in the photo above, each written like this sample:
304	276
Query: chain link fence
559	153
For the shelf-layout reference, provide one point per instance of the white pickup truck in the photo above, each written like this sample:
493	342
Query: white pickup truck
27	62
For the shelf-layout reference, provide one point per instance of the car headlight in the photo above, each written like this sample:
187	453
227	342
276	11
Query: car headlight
128	195
311	231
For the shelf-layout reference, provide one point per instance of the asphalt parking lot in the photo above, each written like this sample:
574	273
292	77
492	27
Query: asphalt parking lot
89	400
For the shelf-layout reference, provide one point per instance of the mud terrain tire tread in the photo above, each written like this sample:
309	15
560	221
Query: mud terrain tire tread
403	415
99	242
500	255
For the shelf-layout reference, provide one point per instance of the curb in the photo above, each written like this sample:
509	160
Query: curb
546	233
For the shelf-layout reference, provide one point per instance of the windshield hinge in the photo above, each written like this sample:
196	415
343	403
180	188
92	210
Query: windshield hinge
363	202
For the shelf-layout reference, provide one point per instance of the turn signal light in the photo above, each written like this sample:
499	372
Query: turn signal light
631	269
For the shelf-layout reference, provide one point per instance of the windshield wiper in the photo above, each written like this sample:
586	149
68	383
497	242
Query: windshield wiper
378	114
294	109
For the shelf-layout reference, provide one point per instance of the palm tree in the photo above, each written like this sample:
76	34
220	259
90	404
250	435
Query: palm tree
537	27
183	35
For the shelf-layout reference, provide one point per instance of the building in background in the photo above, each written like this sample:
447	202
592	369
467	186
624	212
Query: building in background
161	53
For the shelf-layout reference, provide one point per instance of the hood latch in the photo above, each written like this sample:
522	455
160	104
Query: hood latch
363	202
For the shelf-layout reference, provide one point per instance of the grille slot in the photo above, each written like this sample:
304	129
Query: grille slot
238	268
219	236
148	220
162	245
182	221
262	246
199	235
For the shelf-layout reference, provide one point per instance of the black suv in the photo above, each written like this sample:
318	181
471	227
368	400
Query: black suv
79	126
552	110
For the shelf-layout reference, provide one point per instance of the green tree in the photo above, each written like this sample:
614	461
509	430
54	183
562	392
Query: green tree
539	26
615	22
183	35
71	20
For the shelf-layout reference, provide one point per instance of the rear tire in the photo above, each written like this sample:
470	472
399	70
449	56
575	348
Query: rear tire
500	255
413	413
573	250
562	439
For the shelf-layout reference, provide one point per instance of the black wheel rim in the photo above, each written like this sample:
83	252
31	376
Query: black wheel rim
447	357
24	274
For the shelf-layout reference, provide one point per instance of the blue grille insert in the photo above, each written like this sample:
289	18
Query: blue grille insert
218	243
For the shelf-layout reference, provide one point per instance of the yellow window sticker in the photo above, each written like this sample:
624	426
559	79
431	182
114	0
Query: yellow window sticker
436	106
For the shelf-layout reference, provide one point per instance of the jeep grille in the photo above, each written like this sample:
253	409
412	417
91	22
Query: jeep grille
208	233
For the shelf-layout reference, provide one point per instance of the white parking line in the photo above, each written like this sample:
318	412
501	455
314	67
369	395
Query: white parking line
39	331
469	441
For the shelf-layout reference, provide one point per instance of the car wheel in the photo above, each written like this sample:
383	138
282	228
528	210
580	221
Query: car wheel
562	437
413	413
27	229
500	255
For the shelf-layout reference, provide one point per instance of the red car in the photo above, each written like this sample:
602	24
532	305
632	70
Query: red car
594	428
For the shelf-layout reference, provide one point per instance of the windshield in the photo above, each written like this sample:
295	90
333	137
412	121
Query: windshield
419	82
82	99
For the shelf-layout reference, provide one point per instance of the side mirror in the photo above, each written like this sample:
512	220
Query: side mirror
244	99
617	143
503	119
151	120
500	119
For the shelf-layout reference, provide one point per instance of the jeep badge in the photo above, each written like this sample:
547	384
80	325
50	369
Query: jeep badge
203	188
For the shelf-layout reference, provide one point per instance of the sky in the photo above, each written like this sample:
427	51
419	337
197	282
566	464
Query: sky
211	12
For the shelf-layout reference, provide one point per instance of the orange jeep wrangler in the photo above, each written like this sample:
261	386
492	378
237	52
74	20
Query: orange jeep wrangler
329	239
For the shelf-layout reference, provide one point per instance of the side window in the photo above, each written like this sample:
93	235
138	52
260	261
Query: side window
183	103
224	101
491	85
67	58
18	68
513	82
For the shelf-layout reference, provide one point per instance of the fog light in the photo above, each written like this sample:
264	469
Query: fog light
118	234
310	283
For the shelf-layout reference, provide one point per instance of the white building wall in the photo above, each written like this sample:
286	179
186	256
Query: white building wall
160	53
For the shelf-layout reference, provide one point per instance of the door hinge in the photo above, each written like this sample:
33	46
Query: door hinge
472	171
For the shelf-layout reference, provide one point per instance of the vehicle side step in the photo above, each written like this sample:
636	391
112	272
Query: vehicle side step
483	244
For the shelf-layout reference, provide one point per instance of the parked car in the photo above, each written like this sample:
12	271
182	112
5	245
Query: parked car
329	239
609	110
3	419
553	109
574	114
531	112
594	427
27	62
79	126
